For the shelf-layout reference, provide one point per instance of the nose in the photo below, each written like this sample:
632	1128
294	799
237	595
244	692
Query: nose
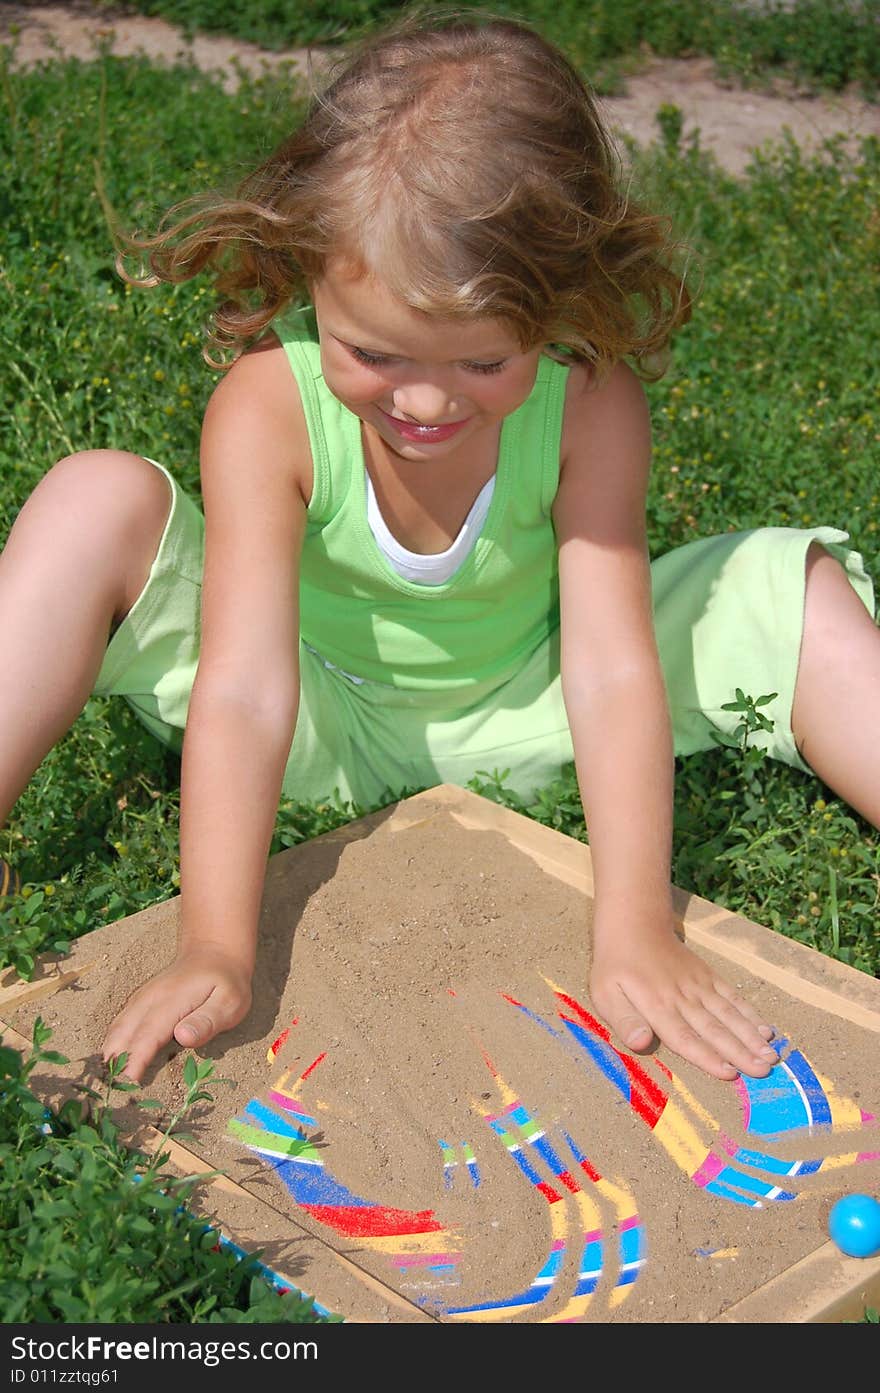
425	400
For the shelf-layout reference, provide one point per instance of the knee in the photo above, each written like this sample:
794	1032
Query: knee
817	555
109	491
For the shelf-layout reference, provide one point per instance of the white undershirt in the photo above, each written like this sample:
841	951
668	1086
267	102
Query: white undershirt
438	567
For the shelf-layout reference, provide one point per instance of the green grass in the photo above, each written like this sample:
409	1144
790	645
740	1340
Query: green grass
820	43
770	414
95	1232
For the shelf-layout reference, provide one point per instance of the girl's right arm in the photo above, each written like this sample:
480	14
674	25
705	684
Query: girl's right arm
255	474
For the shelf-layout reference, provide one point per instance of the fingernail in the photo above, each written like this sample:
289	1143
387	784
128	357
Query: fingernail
769	1054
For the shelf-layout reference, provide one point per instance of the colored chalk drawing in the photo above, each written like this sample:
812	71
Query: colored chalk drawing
417	1242
450	1162
426	1251
791	1097
522	1134
278	1044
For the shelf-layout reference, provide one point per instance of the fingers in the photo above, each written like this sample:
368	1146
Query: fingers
745	1010
147	1025
723	1047
712	1028
140	1038
190	1010
142	1029
220	1011
195	1029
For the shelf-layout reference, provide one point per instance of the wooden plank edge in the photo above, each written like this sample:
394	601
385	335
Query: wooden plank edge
356	1280
21	993
825	1287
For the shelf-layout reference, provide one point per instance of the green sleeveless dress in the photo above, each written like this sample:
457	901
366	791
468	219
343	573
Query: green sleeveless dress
404	686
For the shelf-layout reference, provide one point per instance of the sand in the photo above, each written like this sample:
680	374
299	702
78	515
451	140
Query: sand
394	956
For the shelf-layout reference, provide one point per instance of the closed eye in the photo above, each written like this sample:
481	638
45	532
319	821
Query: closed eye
486	367
371	359
375	360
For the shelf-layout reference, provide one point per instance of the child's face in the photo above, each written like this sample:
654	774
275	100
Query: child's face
427	386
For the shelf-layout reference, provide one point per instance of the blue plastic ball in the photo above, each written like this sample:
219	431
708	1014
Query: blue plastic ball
854	1225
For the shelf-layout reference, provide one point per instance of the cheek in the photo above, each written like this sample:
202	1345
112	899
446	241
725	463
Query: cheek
349	382
510	392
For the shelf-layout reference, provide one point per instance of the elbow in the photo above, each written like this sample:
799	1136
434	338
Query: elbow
267	701
626	683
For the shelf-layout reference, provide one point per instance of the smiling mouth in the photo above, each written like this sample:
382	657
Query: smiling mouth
411	430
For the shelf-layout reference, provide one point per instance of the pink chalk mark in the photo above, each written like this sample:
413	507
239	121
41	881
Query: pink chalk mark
283	1100
708	1170
744	1100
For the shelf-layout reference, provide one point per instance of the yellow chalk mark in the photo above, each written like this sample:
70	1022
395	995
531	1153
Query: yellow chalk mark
845	1112
590	1222
680	1140
498	1313
411	1243
694	1104
623	1201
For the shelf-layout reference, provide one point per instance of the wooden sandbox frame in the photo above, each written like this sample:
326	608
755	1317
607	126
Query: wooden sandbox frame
841	1287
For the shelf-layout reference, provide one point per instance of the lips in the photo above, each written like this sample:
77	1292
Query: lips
423	435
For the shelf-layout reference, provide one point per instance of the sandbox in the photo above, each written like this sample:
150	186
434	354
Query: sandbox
421	1119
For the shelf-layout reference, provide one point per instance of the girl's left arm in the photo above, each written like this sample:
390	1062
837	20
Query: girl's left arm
644	981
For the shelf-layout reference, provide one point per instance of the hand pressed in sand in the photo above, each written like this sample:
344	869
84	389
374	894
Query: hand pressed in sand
204	991
651	987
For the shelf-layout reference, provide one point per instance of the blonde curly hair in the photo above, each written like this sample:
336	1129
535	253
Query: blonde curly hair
462	161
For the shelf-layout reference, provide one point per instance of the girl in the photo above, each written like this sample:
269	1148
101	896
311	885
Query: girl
424	532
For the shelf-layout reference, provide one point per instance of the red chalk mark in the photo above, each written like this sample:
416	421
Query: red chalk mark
552	1196
478	1045
647	1098
586	1019
314	1064
374	1221
282	1040
569	1182
590	1170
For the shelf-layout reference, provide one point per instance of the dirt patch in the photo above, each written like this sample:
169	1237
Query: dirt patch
732	122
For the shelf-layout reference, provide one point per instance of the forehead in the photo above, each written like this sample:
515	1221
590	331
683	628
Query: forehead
360	309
